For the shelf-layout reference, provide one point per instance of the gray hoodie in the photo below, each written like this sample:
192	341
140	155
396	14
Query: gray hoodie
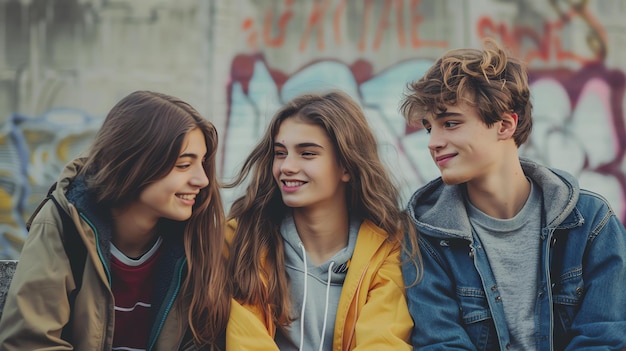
321	297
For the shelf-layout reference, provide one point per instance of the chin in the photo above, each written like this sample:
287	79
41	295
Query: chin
179	217
291	204
452	180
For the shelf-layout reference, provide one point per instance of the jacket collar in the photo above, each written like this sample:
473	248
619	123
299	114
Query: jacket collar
439	210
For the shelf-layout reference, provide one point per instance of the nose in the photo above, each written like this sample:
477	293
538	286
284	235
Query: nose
289	165
436	140
199	178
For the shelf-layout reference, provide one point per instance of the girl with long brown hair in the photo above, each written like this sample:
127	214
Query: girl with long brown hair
145	203
315	241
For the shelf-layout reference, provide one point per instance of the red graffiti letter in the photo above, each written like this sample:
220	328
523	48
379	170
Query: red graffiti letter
279	39
315	20
384	23
416	19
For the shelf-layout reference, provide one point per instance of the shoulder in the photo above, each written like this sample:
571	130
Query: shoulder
374	241
593	217
368	228
593	207
591	198
590	205
372	234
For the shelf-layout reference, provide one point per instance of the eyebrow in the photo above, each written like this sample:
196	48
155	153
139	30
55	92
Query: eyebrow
301	145
447	114
192	155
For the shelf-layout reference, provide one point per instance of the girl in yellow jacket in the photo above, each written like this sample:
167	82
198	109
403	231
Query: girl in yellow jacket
145	205
315	241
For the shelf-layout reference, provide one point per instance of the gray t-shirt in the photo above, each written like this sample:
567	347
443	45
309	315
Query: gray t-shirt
512	247
320	310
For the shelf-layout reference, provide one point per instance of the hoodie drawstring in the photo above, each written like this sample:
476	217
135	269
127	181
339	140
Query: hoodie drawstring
326	307
306	274
304	297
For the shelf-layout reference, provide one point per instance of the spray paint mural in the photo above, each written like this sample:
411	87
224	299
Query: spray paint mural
578	101
370	49
33	151
578	127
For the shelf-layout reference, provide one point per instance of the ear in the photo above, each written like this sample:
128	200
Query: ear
346	176
507	126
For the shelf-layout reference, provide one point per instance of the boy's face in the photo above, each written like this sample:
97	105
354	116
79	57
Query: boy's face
462	146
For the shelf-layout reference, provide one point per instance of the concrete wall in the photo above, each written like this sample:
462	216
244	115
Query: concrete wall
7	268
64	63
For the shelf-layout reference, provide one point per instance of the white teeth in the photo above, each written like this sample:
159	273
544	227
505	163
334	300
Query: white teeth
293	183
187	196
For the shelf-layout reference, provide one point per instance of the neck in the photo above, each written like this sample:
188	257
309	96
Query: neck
500	195
323	233
133	235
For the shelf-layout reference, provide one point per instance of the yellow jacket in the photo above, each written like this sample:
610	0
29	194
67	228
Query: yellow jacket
372	312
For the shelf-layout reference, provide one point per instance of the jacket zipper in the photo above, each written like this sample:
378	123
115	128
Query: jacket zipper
169	305
548	264
106	270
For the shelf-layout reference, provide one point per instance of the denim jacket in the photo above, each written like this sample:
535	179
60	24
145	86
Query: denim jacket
581	291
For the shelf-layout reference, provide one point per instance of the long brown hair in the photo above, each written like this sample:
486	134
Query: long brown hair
257	256
138	144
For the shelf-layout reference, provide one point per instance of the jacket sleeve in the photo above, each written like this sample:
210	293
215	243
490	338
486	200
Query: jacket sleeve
601	318
384	322
37	305
245	331
433	306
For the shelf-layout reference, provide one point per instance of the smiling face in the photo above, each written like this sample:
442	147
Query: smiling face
463	146
174	195
305	166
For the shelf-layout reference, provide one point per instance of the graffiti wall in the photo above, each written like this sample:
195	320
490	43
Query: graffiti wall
238	61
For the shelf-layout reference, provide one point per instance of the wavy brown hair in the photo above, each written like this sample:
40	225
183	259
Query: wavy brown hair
257	252
489	80
137	145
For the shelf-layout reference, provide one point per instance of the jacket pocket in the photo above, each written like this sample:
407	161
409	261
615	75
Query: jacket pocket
477	318
567	294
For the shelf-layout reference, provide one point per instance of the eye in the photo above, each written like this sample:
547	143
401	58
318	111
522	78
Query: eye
426	125
183	165
308	153
279	154
451	124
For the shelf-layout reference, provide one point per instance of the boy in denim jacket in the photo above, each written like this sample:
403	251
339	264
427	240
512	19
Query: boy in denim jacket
515	255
